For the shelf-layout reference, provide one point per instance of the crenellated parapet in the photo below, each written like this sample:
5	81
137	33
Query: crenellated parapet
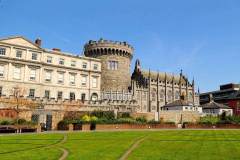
101	47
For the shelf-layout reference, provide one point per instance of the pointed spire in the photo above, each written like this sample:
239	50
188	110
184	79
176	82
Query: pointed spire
198	90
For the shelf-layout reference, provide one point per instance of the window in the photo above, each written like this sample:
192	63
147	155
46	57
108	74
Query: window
17	73
48	76
0	91
72	96
2	51
47	94
177	95
169	95
112	65
19	54
84	80
32	74
72	79
49	59
95	67
34	56
83	96
60	95
84	65
73	63
94	82
61	61
1	71
32	93
162	95
154	94
60	77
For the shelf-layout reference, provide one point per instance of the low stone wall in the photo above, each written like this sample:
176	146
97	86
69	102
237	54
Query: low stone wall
179	116
133	126
148	115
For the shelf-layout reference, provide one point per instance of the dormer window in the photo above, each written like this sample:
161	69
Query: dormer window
2	51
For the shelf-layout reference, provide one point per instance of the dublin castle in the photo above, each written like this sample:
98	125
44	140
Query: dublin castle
99	79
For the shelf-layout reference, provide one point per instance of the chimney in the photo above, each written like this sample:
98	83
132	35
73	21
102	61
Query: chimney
56	49
38	42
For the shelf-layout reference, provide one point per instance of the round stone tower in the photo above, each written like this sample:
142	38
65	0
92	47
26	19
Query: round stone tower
116	60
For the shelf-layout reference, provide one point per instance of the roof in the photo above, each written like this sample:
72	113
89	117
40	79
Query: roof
178	103
214	105
163	75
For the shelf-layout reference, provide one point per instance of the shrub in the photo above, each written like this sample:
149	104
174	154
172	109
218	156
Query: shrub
169	122
6	122
86	118
126	121
63	125
103	114
209	120
141	119
20	121
124	115
153	122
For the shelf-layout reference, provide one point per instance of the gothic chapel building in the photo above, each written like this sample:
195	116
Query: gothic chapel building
153	90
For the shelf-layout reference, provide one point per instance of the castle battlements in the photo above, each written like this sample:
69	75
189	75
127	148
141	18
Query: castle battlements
108	47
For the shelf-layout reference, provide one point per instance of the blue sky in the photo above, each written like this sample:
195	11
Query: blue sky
202	37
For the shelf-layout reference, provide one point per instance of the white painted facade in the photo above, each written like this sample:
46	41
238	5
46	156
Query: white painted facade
47	72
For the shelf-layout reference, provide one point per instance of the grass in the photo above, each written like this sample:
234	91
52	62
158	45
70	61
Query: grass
157	145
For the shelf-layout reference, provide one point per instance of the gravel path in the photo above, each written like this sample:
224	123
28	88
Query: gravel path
134	146
65	152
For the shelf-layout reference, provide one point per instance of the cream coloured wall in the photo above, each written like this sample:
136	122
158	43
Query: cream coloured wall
9	61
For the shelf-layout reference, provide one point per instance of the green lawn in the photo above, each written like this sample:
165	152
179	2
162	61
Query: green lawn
155	145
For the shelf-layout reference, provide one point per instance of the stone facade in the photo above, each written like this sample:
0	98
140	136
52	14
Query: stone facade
116	60
153	90
47	73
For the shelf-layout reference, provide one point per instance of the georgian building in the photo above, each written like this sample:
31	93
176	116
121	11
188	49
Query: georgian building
47	73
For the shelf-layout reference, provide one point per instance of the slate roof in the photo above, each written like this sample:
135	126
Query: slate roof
214	105
163	75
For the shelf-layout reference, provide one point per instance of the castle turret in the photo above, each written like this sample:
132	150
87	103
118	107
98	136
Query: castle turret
116	60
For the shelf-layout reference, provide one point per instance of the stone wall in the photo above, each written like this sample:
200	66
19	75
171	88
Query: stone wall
179	116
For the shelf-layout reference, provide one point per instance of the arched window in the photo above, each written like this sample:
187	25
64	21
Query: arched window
190	96
169	95
153	94
162	95
177	95
94	97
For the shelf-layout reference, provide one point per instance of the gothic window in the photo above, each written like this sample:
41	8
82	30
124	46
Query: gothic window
162	95
190	96
153	94
169	95
177	95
